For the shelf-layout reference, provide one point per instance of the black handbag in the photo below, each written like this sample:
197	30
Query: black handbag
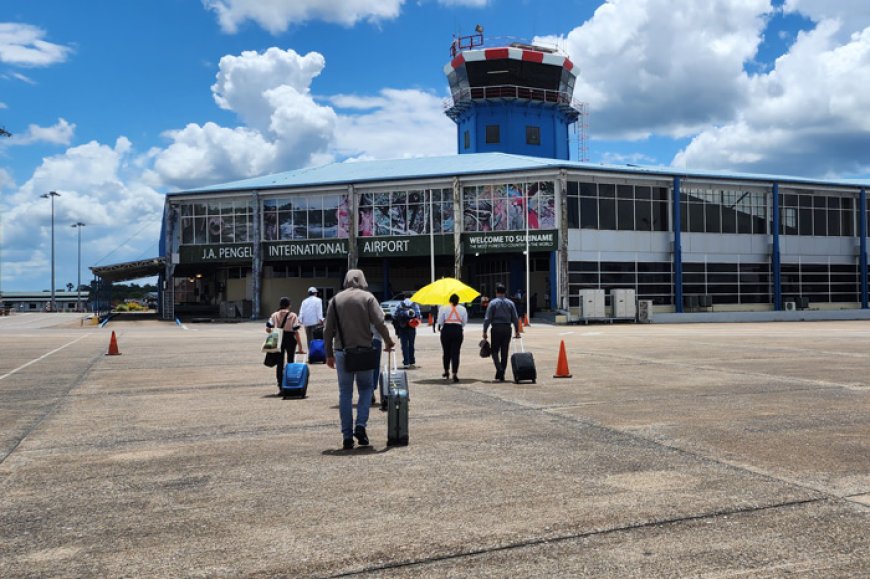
485	349
357	358
272	359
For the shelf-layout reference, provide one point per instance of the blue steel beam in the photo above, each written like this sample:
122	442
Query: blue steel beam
776	264
678	250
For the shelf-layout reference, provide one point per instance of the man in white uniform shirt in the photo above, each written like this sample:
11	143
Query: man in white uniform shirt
311	313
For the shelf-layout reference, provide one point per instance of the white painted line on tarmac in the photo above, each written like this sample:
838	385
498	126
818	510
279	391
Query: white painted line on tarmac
566	333
23	366
591	334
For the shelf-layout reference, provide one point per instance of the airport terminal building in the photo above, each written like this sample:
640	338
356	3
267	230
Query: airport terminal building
510	207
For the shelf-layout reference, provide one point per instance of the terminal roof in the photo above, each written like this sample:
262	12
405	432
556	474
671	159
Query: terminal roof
416	168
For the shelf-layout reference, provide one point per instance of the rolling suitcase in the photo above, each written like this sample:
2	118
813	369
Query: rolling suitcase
295	382
317	352
397	403
523	365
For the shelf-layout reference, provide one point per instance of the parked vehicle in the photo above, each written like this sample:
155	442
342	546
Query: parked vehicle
389	306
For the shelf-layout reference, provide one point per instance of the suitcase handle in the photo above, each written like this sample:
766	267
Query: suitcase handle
521	348
391	355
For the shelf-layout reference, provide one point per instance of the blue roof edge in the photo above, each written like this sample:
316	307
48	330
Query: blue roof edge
349	172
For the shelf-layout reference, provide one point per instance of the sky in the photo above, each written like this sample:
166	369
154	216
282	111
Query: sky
112	104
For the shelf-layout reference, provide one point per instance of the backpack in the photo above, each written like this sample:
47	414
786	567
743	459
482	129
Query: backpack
404	315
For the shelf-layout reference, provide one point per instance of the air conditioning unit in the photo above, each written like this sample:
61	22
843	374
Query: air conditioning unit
790	306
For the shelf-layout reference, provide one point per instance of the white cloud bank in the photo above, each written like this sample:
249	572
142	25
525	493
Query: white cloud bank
61	133
659	68
23	45
276	16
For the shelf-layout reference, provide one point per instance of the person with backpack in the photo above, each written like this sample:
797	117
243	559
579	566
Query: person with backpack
285	319
405	321
451	320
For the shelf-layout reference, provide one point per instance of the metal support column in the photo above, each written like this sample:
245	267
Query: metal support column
862	261
457	229
678	249
776	258
559	287
257	259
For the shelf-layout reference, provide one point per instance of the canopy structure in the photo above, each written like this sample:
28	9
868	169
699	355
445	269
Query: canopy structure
130	270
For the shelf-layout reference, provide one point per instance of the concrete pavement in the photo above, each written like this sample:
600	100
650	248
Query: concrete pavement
700	450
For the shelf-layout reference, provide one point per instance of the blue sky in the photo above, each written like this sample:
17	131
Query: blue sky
114	103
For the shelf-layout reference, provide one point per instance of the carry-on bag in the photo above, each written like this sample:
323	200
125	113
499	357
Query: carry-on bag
295	382
397	403
523	364
317	352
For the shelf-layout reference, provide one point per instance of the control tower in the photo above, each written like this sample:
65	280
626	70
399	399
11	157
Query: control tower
511	98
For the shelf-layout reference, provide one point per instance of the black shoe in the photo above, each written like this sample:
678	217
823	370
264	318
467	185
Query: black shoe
361	436
348	444
445	374
455	378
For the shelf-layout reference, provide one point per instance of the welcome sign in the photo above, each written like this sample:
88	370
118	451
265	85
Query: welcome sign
509	241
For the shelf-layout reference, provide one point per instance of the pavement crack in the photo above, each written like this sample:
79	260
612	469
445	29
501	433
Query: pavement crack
51	409
575	536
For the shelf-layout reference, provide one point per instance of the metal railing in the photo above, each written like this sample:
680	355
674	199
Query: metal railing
467	95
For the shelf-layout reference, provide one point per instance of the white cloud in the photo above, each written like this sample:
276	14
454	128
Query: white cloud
276	16
61	133
469	3
284	127
810	115
23	45
100	187
653	66
403	123
853	15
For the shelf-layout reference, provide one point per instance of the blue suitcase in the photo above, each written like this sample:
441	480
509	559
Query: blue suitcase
316	352
295	381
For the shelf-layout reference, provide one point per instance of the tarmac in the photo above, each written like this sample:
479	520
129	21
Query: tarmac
703	450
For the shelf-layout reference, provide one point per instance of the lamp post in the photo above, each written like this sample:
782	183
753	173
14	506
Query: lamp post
78	225
51	195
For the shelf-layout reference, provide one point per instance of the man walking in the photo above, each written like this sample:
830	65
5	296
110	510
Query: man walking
500	314
405	321
311	314
349	320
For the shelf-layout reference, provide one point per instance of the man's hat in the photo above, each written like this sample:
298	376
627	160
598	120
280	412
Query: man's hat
312	290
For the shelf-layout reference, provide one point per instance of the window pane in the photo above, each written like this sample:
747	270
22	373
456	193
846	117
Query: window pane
607	213
588	213
643	215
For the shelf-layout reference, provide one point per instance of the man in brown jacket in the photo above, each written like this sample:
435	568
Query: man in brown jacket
350	317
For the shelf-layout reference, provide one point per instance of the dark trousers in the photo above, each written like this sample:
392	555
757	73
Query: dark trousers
501	343
451	343
407	336
288	348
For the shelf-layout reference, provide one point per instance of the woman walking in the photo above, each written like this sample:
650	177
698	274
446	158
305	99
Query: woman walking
284	318
451	320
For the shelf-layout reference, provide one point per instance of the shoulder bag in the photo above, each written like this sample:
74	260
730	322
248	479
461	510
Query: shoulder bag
357	358
273	356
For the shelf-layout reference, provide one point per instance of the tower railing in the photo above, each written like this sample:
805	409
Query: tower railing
464	97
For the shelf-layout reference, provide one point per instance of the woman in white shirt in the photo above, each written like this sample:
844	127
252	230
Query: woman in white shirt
451	319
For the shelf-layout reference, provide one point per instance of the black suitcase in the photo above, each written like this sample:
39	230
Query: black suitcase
523	365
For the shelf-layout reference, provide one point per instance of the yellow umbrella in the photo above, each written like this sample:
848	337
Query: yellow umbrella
438	292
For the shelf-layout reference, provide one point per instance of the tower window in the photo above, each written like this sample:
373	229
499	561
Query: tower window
467	138
492	134
533	135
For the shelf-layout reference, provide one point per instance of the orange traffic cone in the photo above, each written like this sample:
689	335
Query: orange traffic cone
562	364
431	321
520	324
526	320
113	346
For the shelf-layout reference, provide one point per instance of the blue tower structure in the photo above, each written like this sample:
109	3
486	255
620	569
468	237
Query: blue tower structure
516	98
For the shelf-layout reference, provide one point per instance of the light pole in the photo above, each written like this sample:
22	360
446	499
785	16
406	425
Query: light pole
51	195
78	225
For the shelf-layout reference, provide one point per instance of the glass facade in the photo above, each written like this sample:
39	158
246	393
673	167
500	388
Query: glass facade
501	207
306	217
816	214
712	209
617	206
650	280
821	282
405	212
216	222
